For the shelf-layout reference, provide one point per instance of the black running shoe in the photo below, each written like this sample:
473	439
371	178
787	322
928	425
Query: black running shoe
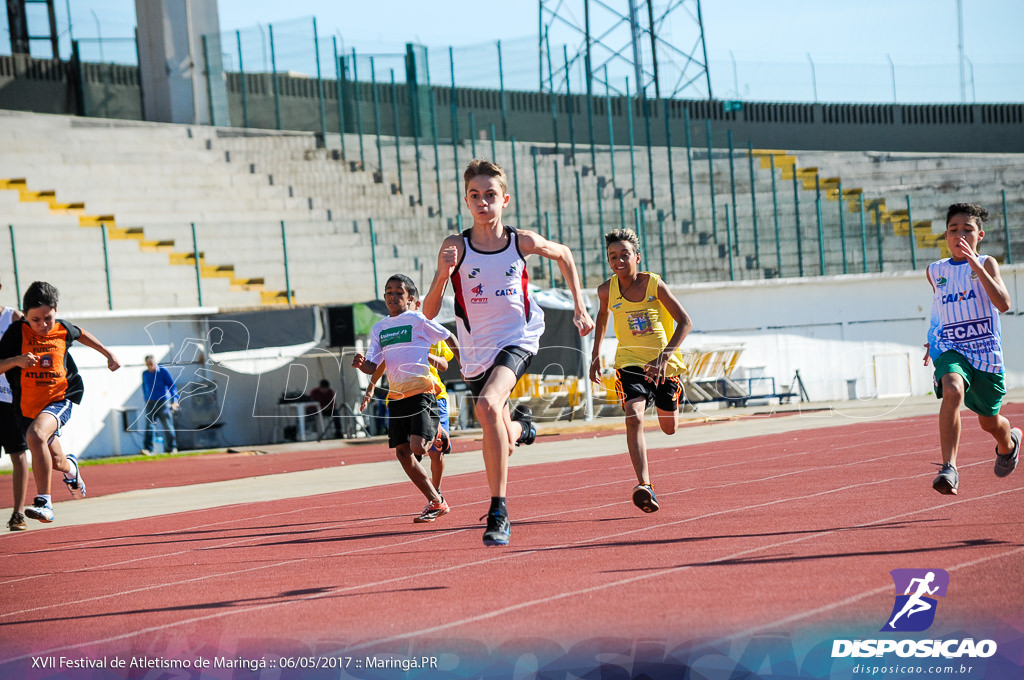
498	529
524	416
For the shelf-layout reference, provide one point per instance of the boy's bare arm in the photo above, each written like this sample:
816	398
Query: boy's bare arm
20	361
675	309
600	327
532	243
438	362
447	259
992	281
89	340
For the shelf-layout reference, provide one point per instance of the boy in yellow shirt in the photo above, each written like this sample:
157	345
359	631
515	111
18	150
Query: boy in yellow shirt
647	362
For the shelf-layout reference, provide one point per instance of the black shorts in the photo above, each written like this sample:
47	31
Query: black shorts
514	358
631	384
11	437
415	415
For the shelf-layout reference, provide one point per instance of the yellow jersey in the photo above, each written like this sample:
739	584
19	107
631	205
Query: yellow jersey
642	328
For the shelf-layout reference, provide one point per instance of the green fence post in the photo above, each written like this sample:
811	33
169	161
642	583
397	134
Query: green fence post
273	78
319	83
863	233
558	205
650	145
241	76
199	274
455	131
689	170
433	133
732	189
339	68
536	183
209	79
796	213
376	119
398	132
501	89
1006	230
284	255
622	210
569	105
711	184
472	135
515	179
753	204
821	237
842	226
728	237
14	261
412	89
356	99
547	235
668	151
775	214
643	229
551	90
583	245
878	237
910	235
611	130
373	258
494	144
106	262
629	124
661	241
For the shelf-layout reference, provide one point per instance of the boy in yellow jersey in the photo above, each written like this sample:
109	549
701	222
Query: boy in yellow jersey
647	362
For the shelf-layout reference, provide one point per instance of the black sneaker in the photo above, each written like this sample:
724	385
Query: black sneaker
947	481
644	498
17	522
498	529
524	416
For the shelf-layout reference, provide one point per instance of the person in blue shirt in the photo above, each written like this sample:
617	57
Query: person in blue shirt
161	397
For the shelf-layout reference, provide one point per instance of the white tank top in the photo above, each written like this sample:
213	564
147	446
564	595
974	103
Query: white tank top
964	319
493	308
6	317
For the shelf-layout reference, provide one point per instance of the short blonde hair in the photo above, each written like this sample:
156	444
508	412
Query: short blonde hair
480	167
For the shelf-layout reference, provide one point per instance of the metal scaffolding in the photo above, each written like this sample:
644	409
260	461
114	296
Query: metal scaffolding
660	49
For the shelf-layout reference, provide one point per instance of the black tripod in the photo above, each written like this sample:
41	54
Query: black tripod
343	411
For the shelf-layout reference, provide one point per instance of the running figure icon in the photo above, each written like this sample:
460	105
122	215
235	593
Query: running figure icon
916	603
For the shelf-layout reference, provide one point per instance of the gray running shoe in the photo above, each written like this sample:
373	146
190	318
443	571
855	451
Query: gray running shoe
947	481
1007	462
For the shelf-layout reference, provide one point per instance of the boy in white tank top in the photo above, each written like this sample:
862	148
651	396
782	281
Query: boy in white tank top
965	344
499	325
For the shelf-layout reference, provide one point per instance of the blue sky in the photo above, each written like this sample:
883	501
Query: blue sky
870	50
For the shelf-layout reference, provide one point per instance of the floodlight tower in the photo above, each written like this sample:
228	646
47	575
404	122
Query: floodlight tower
660	49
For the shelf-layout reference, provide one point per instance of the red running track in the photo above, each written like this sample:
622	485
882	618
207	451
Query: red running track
789	533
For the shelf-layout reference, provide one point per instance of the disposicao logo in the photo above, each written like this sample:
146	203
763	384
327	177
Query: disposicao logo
914	610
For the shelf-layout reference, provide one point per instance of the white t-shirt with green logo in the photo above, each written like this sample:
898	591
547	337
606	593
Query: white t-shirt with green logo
403	343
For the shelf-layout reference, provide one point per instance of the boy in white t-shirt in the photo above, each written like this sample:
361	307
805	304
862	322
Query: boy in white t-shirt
402	342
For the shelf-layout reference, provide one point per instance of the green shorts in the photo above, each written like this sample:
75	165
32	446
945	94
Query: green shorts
983	392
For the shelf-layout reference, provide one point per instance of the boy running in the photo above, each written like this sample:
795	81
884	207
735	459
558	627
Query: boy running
647	361
45	383
11	437
402	341
499	325
965	343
